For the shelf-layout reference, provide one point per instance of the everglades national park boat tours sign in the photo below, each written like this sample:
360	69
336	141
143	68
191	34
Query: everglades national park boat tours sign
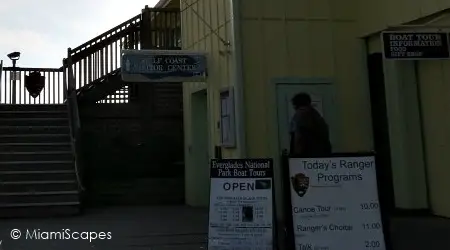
241	214
415	45
163	66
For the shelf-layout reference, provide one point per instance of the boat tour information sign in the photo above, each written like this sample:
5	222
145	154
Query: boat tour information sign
241	204
335	203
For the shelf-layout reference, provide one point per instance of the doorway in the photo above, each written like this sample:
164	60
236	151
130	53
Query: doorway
381	130
197	172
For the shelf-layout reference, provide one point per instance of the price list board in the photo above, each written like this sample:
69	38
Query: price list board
241	205
335	204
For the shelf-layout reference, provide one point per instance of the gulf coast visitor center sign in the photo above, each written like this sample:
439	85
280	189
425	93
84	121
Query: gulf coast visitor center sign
163	66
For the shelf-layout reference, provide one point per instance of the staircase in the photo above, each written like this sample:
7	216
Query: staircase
37	171
37	153
100	88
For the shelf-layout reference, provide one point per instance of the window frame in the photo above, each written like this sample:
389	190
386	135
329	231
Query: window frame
227	118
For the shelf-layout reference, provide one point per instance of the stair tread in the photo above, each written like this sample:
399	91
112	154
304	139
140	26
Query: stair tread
42	204
33	135
39	193
35	162
33	112
34	118
30	126
36	182
34	143
39	172
36	152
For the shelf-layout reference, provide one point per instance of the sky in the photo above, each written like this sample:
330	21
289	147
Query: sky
43	30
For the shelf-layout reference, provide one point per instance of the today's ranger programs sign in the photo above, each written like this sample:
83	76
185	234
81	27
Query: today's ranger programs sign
335	203
163	66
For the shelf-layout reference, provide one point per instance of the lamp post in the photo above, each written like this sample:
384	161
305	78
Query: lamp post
14	56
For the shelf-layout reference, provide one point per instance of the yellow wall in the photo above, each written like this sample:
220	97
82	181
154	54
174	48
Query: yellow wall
434	83
375	16
204	24
307	39
196	35
313	39
434	79
410	171
322	39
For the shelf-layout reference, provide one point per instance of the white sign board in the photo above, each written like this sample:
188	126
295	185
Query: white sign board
241	204
335	203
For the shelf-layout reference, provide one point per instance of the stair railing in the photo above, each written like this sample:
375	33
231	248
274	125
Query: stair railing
74	118
101	55
14	91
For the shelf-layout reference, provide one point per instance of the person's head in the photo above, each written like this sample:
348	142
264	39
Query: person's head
301	100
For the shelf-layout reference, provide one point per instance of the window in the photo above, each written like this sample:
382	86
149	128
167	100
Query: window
227	125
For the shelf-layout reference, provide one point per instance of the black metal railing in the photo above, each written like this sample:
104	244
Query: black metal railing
14	91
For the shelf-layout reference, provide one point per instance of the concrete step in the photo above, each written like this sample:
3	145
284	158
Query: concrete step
42	121
37	175
38	186
34	138
26	129
36	165
37	156
35	147
39	197
34	114
41	210
33	107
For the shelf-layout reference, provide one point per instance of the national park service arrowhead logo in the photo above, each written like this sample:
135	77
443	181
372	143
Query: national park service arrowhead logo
300	184
34	83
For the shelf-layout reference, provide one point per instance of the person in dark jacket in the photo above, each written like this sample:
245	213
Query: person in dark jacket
309	130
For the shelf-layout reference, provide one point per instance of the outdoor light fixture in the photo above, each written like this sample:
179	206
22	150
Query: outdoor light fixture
14	56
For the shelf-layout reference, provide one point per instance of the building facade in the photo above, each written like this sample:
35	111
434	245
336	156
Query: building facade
262	52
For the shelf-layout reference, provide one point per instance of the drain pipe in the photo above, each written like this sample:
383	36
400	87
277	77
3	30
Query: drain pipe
238	77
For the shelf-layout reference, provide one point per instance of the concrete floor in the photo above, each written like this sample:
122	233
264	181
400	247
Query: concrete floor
146	228
181	228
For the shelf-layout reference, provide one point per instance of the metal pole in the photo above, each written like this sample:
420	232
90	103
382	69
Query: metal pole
13	83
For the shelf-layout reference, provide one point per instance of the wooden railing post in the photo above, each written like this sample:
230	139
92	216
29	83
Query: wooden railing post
145	33
71	79
74	116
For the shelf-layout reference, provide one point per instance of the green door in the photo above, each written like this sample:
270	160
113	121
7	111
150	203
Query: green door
197	172
323	100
